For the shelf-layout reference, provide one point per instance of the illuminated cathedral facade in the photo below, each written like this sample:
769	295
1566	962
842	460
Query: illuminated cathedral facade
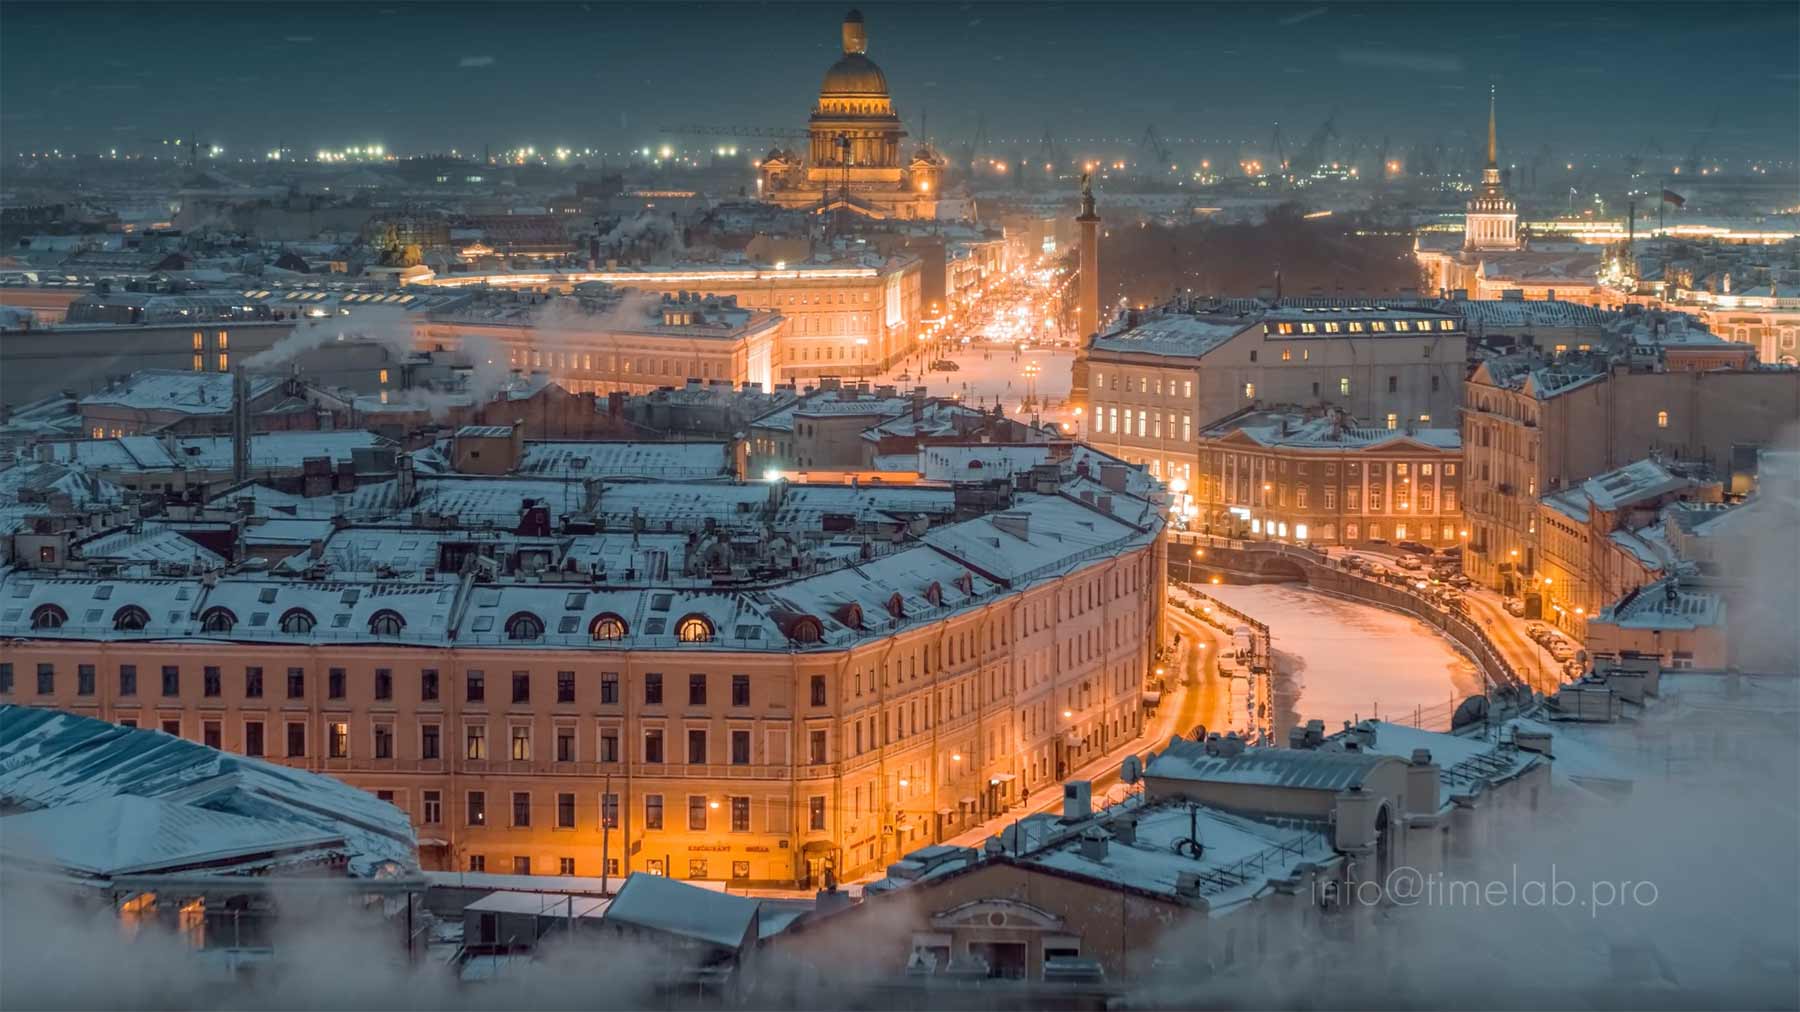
855	159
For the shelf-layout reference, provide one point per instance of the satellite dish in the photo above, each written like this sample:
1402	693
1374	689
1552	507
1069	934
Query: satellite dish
1132	770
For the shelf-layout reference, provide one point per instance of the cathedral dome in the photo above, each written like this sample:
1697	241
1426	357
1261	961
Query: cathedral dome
854	75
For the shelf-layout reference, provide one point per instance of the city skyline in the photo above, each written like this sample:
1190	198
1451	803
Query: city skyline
418	78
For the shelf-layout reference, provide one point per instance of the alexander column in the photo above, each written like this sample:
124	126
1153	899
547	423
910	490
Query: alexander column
1087	298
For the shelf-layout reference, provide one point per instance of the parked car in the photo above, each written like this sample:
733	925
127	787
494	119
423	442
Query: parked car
945	365
1560	649
1421	550
1410	562
1453	552
1460	581
1514	607
1376	570
1538	631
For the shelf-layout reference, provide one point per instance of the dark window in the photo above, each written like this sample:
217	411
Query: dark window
696	690
609	746
253	737
477	686
652	690
171	680
477	808
384	683
815	812
433	808
212	681
384	741
252	683
817	742
521	687
211	736
740	690
334	683
521	865
565	686
565	744
428	684
172	727
653	811
696	748
609	811
296	739
478	862
740	748
428	742
565	866
609	688
653	746
696	813
1434	384
84	679
127	679
296	683
6	676
1393	384
521	808
818	690
565	811
740	815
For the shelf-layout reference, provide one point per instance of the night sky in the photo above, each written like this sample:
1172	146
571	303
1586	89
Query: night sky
1578	78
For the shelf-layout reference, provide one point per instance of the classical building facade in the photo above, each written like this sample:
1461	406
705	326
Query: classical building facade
855	162
1324	478
629	690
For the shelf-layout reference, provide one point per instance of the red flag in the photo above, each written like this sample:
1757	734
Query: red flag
1671	197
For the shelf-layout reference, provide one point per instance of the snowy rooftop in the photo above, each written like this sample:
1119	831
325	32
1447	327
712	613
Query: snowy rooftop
677	461
1620	488
151	542
1656	607
268	451
1240	855
671	907
1181	335
1462	759
1294	429
130	835
1302	769
50	760
176	390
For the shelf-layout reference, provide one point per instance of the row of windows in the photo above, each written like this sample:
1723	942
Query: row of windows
1144	384
1149	424
212	682
1358	327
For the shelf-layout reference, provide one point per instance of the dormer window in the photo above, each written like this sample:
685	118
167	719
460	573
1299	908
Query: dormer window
525	627
386	623
694	629
217	620
48	616
130	618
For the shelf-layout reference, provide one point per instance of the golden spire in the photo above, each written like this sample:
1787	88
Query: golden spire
1493	161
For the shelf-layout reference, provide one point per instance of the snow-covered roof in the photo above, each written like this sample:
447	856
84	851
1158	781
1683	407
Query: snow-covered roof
548	904
1294	429
1665	605
184	392
671	907
50	759
1462	759
151	542
1620	488
1241	854
130	835
1303	769
1179	335
268	451
674	461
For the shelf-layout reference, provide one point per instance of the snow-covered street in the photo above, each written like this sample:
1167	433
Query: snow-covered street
1338	660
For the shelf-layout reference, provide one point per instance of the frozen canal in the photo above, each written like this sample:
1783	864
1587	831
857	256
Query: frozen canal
1338	660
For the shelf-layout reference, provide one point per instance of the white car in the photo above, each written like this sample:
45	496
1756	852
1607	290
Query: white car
1410	562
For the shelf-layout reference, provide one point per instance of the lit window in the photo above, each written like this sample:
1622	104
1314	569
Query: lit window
1250	391
197	344
382	377
1662	419
1343	386
1287	355
224	362
224	340
694	629
1393	420
199	362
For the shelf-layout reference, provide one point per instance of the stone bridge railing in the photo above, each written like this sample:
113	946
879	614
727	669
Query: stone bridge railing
1196	560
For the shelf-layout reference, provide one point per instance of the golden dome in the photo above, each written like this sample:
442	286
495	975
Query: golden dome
854	75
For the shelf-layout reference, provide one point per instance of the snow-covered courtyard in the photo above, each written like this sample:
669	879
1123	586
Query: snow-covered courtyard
1338	660
985	373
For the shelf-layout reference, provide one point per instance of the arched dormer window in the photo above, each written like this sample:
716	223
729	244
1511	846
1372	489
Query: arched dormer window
934	594
607	627
386	623
130	618
805	629
524	626
219	620
694	629
966	584
851	615
48	616
896	606
297	621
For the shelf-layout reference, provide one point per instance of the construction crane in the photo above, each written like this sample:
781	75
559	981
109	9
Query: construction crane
1152	151
1313	154
1280	154
1692	165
